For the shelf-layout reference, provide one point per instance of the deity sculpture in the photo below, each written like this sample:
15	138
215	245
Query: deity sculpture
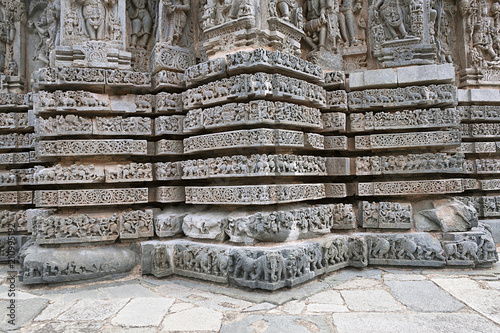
392	16
321	24
7	33
142	22
95	15
347	24
176	16
47	28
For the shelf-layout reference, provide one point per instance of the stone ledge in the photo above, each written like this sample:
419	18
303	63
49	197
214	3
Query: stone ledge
92	197
408	140
403	76
91	147
254	194
412	187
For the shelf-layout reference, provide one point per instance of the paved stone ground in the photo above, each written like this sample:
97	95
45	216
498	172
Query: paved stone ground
369	300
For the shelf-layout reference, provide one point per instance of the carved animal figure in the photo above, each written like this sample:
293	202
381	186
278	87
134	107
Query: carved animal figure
244	266
380	248
270	267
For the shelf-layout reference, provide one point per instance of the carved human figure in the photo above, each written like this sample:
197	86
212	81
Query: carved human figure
93	12
316	27
240	8
347	23
142	22
392	16
47	28
176	18
7	33
482	37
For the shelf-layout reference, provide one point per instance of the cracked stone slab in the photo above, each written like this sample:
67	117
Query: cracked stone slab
63	327
25	311
323	307
128	291
327	297
275	324
54	310
359	283
370	300
294	307
364	322
403	277
277	298
423	296
484	301
93	309
143	312
260	307
196	319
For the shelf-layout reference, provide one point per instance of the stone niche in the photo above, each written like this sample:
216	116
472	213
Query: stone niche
257	144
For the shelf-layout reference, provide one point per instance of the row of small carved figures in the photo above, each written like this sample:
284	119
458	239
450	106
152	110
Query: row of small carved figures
91	75
303	220
411	162
428	94
237	165
269	266
36	270
386	212
260	83
86	226
406	248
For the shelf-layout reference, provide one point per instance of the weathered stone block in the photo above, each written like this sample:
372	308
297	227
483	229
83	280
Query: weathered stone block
55	265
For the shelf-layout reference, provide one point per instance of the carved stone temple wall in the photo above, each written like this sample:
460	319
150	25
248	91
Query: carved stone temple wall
256	143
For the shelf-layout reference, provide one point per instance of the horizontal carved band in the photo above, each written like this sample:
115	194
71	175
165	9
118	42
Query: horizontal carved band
259	85
169	125
254	195
386	215
13	221
93	197
16	141
255	113
410	164
481	130
16	198
414	96
336	100
94	78
335	143
408	140
406	119
170	194
83	228
254	165
77	125
169	147
16	158
416	187
91	147
479	147
244	138
15	121
10	101
271	226
87	102
479	112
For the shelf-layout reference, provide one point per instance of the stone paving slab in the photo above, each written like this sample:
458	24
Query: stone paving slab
276	324
423	296
25	311
485	301
362	322
369	300
143	312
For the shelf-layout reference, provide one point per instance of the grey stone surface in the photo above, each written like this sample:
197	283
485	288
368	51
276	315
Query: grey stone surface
260	307
495	227
423	296
156	308
412	322
376	300
272	324
91	310
196	319
63	327
484	301
20	311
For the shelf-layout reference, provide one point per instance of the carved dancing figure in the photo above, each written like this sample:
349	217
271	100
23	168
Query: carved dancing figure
142	22
347	23
316	27
176	20
7	33
391	14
